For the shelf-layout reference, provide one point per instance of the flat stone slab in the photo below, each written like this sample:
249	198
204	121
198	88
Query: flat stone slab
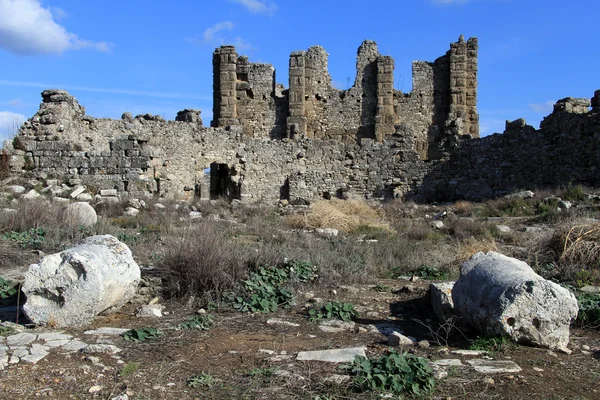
101	348
106	331
494	367
74	345
20	339
279	321
334	356
469	352
336	326
56	343
48	336
448	362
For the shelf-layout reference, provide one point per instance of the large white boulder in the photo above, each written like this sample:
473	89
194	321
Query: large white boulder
499	295
71	287
79	214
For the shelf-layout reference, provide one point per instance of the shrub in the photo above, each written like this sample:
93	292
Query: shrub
574	193
333	310
201	380
264	291
200	322
394	372
345	215
430	273
589	309
201	260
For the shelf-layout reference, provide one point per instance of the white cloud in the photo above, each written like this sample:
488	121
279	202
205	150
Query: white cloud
27	28
130	92
213	37
16	103
545	107
262	7
9	124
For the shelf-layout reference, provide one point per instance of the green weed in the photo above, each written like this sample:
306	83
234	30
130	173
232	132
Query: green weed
200	322
492	345
129	369
141	334
201	380
33	238
333	310
589	309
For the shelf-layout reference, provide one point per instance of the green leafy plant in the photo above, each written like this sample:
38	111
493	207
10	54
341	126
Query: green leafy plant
430	273
492	344
333	310
381	288
7	288
129	369
141	334
262	372
399	373
6	330
201	380
201	322
33	238
589	309
127	238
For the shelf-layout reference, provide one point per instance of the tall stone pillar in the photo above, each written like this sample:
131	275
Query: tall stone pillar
463	86
384	118
296	122
224	86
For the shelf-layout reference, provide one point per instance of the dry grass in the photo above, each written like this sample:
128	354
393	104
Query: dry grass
474	245
463	207
580	245
345	215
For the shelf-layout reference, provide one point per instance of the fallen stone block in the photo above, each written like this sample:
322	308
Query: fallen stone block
502	296
334	355
71	287
79	214
441	300
494	367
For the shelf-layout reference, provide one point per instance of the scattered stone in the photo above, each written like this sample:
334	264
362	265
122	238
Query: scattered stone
95	389
79	214
590	289
585	347
441	300
503	228
74	345
499	295
49	336
131	212
336	326
334	356
448	362
109	192
337	379
423	344
121	397
85	197
15	189
437	224
397	339
57	343
20	339
494	367
327	232
265	351
106	331
538	369
489	381
101	349
31	195
526	194
469	352
149	311
279	321
194	215
95	276
78	190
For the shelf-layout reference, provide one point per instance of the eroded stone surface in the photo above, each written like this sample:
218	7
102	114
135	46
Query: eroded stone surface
494	367
333	356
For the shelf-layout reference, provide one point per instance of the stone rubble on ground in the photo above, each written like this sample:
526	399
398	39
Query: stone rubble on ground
333	355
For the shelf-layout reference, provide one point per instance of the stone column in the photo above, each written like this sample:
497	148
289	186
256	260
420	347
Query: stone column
463	85
224	86
384	119
296	122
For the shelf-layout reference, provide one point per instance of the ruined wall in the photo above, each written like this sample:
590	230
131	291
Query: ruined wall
565	150
370	109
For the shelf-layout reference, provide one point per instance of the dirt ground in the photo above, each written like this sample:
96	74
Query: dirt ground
251	359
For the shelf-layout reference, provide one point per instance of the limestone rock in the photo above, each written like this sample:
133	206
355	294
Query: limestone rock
71	287
397	339
79	214
499	295
334	355
441	300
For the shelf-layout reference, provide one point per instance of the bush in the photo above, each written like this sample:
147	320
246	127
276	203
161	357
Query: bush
333	310
345	215
394	372
201	260
589	309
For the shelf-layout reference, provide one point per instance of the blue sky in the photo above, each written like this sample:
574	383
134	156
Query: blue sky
155	55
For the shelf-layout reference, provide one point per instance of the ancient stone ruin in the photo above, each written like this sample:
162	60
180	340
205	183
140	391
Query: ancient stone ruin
311	140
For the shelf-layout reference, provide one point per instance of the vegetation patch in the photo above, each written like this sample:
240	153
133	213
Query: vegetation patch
589	310
200	322
491	344
333	310
430	273
398	373
201	380
32	238
141	334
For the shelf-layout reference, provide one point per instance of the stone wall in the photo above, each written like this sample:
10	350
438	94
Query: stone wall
312	141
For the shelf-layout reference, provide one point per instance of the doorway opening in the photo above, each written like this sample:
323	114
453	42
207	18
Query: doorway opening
221	184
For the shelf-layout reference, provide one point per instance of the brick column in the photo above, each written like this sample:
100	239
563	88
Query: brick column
224	86
296	122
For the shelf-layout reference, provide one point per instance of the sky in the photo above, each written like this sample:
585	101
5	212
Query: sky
155	56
